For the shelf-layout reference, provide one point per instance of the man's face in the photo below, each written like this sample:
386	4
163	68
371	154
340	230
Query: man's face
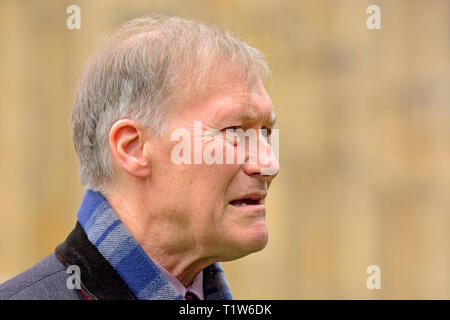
218	208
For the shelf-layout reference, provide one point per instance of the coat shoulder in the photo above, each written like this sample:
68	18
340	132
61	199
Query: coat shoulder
47	280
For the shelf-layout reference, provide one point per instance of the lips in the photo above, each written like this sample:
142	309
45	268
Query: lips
245	202
248	200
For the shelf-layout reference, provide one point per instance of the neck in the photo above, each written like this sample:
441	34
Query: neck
165	242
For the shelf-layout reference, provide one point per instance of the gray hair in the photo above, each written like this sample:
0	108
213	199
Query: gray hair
143	70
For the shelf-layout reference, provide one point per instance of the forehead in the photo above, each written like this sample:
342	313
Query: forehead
230	105
237	101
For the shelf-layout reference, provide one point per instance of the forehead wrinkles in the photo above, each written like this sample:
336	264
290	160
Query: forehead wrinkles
251	106
246	112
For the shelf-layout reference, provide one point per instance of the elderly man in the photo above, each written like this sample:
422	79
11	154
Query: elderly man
151	226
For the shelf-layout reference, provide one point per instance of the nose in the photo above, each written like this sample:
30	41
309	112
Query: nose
261	160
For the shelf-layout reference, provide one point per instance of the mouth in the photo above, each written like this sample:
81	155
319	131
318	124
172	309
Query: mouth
253	201
246	202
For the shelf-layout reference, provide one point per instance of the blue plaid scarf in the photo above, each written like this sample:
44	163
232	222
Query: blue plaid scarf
107	233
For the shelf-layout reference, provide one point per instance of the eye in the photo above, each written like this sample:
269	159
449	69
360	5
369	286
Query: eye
266	132
232	128
233	134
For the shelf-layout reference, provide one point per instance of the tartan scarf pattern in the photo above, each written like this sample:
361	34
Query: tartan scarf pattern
108	234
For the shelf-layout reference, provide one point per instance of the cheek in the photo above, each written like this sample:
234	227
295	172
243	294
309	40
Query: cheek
224	150
209	192
203	187
216	171
212	181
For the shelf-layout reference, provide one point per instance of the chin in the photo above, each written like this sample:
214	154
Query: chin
249	241
259	239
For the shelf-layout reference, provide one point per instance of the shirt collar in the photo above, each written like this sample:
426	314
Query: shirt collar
195	287
143	277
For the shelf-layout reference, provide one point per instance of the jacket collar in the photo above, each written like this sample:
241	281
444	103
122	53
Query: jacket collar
104	278
99	280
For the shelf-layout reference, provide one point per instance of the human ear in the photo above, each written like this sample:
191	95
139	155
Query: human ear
127	142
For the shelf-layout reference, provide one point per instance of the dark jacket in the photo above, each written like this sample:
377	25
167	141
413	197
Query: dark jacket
48	279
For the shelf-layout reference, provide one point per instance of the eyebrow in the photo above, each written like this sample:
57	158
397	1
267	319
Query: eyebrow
274	119
249	116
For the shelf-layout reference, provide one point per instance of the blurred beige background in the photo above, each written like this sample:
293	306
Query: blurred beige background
364	120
